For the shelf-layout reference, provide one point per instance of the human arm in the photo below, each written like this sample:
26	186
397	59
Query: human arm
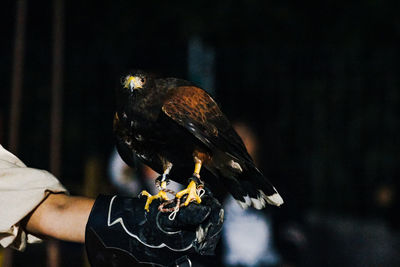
22	190
61	216
66	218
33	204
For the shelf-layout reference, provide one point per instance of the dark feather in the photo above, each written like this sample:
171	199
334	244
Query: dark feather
173	119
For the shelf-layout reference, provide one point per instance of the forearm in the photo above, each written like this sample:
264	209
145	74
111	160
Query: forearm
62	217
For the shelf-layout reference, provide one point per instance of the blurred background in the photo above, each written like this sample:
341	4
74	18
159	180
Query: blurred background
315	84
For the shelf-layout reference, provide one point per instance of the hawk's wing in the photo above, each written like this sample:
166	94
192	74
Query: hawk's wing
195	110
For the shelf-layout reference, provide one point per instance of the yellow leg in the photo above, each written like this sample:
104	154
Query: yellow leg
191	191
162	185
197	167
161	195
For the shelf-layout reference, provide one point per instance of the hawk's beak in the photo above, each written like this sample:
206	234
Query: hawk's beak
127	82
132	82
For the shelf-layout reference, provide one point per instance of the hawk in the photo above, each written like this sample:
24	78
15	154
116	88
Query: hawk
177	129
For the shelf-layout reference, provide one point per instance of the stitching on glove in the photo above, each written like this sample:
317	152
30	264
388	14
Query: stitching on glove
121	221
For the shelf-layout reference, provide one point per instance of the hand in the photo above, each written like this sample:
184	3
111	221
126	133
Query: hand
120	232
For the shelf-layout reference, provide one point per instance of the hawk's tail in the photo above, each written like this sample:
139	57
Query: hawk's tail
253	189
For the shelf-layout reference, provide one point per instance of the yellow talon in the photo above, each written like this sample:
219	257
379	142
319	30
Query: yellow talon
161	195
191	191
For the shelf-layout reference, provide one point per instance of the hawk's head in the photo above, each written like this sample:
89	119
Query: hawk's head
137	81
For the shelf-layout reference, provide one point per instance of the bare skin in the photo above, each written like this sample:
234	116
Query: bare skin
61	217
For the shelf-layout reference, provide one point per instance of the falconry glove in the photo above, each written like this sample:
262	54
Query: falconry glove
120	232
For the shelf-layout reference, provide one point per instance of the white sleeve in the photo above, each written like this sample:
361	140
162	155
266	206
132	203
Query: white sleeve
22	189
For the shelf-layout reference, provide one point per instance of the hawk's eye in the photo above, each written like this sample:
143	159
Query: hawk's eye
140	82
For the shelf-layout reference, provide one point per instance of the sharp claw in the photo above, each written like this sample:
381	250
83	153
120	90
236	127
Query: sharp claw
144	193
161	195
191	192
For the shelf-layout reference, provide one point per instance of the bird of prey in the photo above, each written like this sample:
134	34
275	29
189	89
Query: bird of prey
177	129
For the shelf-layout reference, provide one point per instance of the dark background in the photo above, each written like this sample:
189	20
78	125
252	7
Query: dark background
318	82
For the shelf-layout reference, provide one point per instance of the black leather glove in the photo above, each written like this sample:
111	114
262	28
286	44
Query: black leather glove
120	232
